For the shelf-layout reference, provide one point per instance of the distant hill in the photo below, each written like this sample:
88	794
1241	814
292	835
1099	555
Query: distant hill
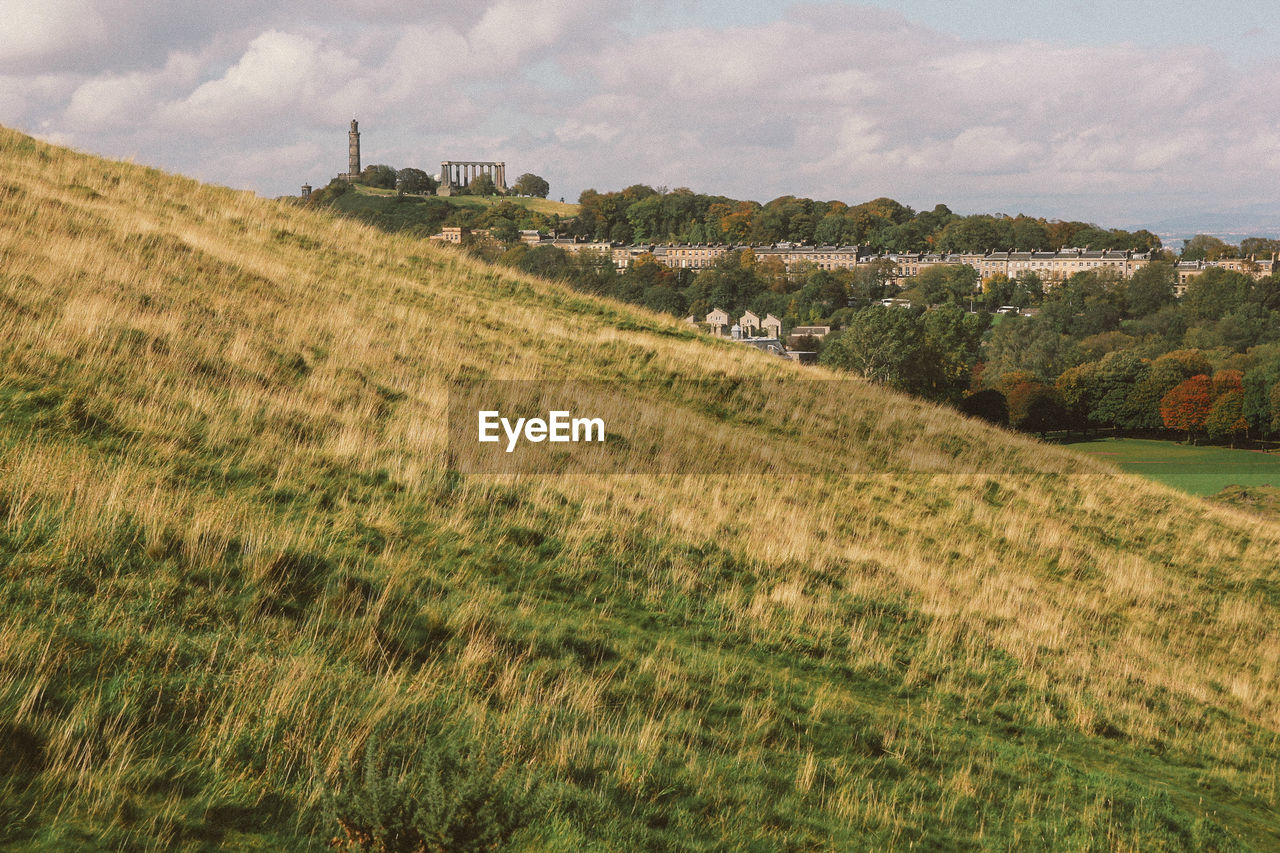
248	606
1230	226
422	216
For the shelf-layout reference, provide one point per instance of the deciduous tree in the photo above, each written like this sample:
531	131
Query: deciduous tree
1226	417
482	185
379	175
988	404
882	344
1035	407
532	185
414	182
1186	407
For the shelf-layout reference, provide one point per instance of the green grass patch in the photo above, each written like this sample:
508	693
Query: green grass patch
1197	470
476	202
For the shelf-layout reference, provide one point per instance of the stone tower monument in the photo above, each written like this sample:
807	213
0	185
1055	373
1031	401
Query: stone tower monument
353	152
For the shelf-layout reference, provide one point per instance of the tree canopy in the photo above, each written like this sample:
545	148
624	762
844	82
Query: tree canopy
379	175
415	181
482	185
531	185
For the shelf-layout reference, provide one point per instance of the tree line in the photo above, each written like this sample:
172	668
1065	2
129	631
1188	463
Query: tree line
641	214
413	181
1098	351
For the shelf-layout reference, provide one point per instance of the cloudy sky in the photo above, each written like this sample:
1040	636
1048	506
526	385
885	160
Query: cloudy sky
1124	114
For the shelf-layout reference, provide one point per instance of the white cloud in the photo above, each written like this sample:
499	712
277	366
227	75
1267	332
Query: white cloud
509	28
829	101
35	32
576	131
118	101
278	72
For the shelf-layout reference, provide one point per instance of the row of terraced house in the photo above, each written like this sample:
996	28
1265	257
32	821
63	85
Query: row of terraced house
1053	266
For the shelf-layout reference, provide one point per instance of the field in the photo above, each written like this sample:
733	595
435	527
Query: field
1197	470
248	605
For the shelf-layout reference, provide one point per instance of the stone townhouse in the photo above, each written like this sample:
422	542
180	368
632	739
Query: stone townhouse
1257	268
1049	266
687	257
718	321
795	257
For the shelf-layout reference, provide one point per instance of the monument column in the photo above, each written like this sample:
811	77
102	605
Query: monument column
353	151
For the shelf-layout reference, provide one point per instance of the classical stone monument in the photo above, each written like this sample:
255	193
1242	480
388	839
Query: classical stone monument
353	152
456	174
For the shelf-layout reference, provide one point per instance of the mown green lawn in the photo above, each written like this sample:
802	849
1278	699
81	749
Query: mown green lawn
1198	470
538	205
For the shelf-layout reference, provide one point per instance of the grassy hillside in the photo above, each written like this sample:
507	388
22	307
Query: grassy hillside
374	199
246	607
548	206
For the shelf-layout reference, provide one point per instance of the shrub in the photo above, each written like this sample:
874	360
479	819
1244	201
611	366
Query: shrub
445	796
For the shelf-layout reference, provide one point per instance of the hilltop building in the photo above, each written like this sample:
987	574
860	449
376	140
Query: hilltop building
457	174
353	153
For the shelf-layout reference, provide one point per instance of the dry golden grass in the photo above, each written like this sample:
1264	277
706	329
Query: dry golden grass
208	351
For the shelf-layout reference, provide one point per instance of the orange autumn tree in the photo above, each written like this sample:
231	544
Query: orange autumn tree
1187	406
1226	381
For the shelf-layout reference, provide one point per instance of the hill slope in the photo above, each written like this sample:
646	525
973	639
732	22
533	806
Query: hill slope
246	607
548	206
423	216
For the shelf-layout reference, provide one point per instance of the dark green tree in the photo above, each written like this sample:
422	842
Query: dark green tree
988	404
1027	343
1203	247
1035	407
947	283
1259	247
380	176
1117	375
1226	417
1079	389
1149	289
1214	293
882	344
531	185
1259	382
482	185
415	182
547	261
952	339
